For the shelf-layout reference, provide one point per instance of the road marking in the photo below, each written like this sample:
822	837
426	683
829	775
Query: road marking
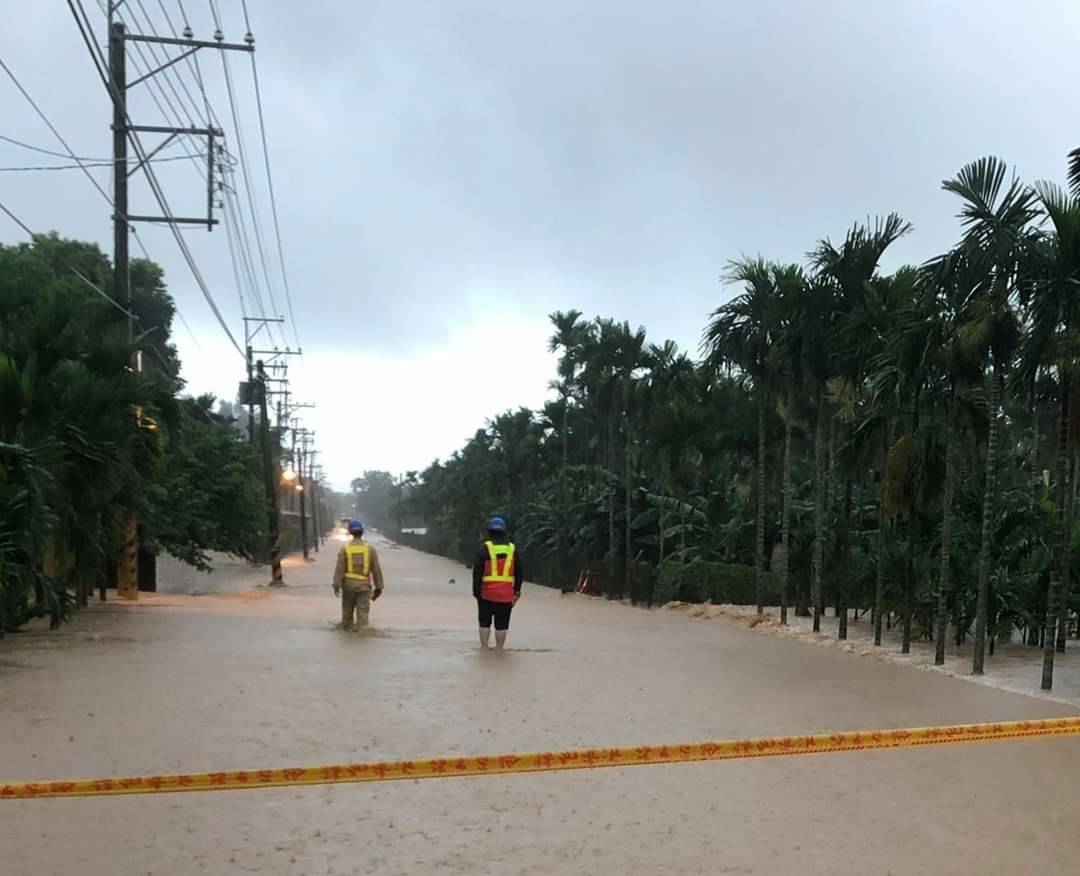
550	761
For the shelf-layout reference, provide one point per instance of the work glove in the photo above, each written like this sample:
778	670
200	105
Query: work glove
517	596
337	590
376	595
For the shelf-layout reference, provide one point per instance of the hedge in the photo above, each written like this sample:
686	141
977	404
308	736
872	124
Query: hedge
718	583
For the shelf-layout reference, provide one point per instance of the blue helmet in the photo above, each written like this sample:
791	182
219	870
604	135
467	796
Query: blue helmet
496	524
356	527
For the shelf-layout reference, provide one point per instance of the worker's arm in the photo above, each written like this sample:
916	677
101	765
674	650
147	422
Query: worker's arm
376	571
519	575
478	571
339	570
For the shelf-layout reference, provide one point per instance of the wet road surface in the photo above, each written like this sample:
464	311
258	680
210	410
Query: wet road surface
259	679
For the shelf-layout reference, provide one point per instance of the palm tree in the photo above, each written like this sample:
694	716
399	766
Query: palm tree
670	409
631	360
951	278
851	269
791	291
995	217
741	332
569	337
1054	340
601	379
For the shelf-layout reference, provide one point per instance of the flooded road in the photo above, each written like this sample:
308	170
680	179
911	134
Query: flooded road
259	679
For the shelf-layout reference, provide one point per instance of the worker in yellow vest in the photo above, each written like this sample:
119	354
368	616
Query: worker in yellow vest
497	578
358	578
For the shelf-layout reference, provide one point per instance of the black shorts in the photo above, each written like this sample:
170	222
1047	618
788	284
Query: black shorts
499	611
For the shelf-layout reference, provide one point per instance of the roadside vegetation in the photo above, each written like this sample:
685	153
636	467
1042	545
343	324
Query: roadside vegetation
85	439
900	443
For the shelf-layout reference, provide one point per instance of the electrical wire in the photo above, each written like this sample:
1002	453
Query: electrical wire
249	189
192	61
154	88
54	154
73	270
70	152
234	215
270	184
84	163
151	177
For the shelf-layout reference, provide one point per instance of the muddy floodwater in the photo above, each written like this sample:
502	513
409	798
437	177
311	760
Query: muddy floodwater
255	678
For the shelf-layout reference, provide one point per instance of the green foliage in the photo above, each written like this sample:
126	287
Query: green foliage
85	439
645	459
209	494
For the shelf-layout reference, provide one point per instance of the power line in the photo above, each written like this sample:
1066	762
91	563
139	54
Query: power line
248	188
54	154
172	70
234	213
151	177
270	184
73	270
154	87
105	295
83	164
192	62
70	152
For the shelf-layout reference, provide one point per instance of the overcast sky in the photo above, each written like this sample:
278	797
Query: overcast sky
448	173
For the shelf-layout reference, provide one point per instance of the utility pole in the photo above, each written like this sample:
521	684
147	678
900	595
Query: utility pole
127	562
250	334
316	499
303	449
302	489
270	480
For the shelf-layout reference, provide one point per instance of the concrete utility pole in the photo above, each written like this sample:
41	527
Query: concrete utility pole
270	480
250	334
303	503
127	562
316	499
304	450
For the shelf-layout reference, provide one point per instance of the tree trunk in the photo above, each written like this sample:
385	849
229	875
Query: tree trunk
612	552
909	588
785	529
759	540
879	586
1059	572
628	559
946	530
1065	592
1066	565
982	600
844	580
560	541
830	495
819	507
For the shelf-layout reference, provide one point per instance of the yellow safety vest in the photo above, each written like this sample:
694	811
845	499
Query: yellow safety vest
358	562
497	582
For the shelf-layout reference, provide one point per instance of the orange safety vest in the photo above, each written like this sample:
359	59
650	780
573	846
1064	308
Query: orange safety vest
497	584
358	563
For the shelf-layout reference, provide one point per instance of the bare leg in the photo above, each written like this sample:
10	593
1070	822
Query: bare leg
500	639
485	637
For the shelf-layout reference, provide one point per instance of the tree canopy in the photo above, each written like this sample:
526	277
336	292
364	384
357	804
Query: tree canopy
900	442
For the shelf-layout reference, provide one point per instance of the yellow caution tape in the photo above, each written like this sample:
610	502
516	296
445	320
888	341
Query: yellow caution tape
551	761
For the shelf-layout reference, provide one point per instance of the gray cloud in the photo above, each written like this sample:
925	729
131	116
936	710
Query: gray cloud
438	160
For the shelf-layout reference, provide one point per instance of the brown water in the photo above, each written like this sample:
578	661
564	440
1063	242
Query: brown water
256	679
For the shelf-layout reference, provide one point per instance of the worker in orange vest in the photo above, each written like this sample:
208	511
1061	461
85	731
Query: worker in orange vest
358	578
497	578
